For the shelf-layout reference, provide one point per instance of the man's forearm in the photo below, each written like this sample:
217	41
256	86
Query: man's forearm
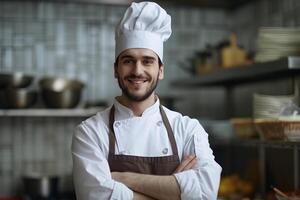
158	187
139	196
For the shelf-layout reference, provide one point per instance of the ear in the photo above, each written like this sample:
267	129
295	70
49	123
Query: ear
161	72
115	70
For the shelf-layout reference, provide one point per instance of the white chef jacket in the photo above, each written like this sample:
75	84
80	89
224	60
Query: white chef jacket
143	135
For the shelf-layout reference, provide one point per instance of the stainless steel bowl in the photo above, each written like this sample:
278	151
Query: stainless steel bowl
64	99
15	80
61	93
17	98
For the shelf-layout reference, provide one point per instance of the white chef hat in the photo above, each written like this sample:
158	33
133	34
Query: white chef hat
144	25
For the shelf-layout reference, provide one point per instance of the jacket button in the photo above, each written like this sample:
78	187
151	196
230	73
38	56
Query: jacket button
165	151
159	123
117	124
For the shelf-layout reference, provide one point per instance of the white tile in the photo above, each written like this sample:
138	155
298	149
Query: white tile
81	38
59	11
29	9
8	59
60	38
213	17
9	8
49	8
40	10
28	63
72	10
39	57
196	18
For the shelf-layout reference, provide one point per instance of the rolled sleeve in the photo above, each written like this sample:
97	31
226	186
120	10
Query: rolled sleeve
121	191
201	183
189	185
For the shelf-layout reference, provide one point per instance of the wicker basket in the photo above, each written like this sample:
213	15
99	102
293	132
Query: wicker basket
244	127
278	129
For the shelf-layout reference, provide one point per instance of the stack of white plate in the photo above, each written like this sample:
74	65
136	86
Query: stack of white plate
267	106
276	42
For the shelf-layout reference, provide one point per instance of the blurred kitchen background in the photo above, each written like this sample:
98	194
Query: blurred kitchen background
74	40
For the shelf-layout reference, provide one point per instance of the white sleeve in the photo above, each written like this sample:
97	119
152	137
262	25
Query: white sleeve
203	181
91	173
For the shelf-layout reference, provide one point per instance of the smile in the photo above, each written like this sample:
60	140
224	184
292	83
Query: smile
137	81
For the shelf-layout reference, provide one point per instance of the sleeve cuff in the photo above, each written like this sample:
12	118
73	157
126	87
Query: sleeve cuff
121	191
189	185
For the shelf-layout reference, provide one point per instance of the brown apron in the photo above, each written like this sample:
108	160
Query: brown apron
164	165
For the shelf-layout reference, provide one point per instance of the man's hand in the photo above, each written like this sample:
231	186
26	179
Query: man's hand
188	163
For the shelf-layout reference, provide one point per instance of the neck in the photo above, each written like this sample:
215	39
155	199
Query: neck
137	107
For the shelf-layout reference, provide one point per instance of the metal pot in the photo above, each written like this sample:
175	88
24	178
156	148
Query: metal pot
15	80
39	186
17	98
61	93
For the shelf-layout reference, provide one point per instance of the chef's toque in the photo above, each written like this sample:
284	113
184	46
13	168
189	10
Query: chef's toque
144	25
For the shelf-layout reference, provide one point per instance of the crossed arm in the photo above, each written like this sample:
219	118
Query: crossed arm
148	187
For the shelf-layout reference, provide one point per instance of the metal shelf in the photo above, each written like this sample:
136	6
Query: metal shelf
77	112
289	66
257	142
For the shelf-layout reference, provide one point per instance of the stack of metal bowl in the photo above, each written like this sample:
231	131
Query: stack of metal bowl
60	92
15	91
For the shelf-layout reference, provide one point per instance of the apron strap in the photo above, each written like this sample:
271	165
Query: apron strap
112	137
169	130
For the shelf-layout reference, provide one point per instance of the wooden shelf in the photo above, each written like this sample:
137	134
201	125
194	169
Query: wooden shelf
289	66
77	112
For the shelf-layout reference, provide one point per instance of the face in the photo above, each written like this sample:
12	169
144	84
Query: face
138	72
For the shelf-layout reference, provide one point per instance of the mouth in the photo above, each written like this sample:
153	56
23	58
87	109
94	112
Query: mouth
137	80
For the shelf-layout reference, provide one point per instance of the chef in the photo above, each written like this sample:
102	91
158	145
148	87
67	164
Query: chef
137	148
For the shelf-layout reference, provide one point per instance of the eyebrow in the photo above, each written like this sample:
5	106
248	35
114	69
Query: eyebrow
125	56
144	57
149	57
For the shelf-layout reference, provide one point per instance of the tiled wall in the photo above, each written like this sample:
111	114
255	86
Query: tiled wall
77	41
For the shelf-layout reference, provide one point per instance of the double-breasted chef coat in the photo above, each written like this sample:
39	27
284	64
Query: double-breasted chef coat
115	139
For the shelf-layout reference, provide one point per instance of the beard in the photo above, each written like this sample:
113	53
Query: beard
137	98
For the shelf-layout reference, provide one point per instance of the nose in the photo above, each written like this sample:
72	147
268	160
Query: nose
138	68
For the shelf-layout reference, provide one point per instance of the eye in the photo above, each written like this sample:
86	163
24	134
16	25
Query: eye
148	61
127	61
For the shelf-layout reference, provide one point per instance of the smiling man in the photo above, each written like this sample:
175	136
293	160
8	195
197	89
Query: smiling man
138	71
137	148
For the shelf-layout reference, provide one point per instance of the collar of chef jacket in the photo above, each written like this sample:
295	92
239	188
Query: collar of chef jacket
125	113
